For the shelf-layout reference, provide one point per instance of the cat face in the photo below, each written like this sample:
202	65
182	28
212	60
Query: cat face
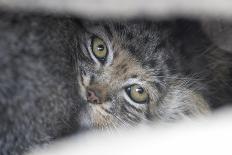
121	71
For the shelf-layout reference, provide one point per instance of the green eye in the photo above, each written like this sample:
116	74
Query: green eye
137	93
99	49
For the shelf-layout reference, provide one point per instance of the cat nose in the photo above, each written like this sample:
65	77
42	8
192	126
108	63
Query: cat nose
92	97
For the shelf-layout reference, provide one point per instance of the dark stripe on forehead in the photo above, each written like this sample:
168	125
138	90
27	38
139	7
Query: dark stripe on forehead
108	31
119	27
129	35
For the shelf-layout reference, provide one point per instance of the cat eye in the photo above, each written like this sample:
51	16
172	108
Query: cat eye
137	94
99	49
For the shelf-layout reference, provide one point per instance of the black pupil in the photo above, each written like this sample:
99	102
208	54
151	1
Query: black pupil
100	47
140	90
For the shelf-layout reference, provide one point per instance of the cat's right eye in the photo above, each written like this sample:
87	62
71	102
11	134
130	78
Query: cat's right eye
137	94
99	49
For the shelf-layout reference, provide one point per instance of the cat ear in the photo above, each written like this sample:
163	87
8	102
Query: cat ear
220	32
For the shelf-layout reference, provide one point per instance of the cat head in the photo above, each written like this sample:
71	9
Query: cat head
122	68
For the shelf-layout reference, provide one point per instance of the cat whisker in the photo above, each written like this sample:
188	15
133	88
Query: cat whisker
122	122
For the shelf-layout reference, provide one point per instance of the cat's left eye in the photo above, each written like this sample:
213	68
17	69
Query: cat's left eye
137	94
99	49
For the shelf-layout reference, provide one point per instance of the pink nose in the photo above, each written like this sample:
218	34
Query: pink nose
92	97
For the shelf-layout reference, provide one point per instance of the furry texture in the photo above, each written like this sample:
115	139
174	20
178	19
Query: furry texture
144	53
39	69
37	93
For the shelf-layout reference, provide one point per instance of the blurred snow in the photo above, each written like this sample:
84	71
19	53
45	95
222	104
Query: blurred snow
126	8
212	135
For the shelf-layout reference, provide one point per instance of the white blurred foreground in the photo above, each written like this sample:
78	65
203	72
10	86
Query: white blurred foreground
126	8
212	135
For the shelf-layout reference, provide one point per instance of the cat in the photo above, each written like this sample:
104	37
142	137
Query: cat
38	97
59	75
140	71
132	72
